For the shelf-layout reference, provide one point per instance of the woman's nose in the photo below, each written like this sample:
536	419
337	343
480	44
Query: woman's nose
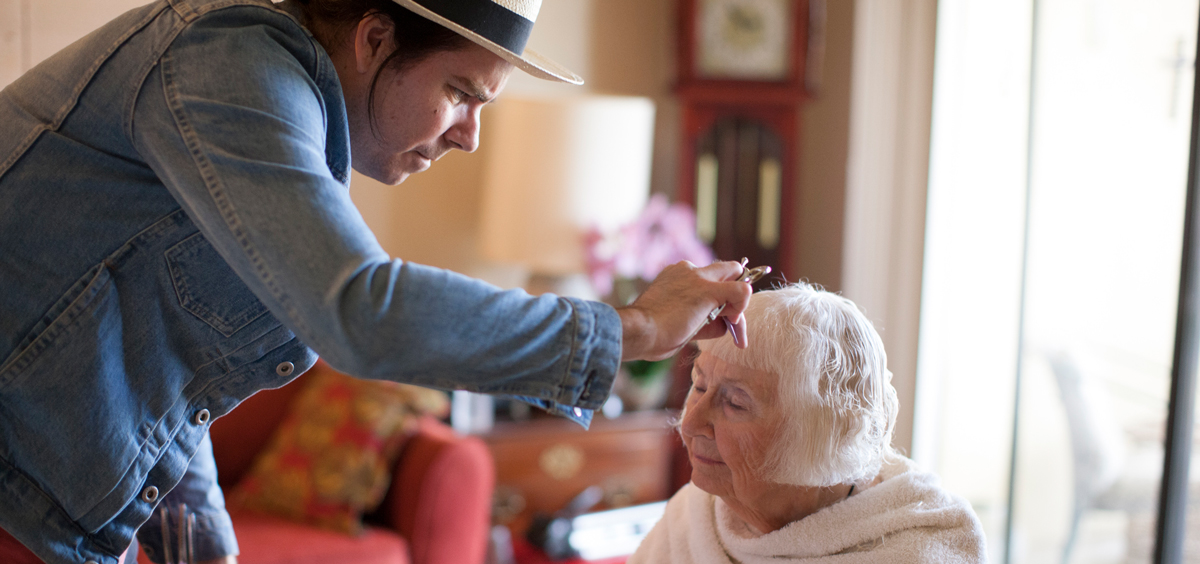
464	135
695	419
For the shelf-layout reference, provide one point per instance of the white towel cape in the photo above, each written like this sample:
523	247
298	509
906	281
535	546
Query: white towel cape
904	518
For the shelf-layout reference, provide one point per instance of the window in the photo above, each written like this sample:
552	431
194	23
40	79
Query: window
1055	220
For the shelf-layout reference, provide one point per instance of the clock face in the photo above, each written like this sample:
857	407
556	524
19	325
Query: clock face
743	39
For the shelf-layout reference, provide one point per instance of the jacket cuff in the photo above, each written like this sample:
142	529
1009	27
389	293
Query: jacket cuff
596	355
595	359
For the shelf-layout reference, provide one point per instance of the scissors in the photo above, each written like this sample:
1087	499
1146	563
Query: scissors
749	276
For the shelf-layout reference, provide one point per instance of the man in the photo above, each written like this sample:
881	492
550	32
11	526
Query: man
177	234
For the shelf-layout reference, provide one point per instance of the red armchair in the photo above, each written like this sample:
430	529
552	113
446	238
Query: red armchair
437	510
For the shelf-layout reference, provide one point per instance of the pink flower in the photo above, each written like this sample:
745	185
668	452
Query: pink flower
601	266
662	235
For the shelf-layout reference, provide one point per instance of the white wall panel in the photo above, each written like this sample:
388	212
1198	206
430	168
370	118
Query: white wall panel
58	23
10	41
886	180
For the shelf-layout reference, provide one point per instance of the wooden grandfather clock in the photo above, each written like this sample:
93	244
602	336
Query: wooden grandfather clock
745	68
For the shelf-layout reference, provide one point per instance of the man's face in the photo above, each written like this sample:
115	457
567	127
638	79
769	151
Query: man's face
424	112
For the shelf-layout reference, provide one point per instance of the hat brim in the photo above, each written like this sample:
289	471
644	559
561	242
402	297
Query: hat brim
529	61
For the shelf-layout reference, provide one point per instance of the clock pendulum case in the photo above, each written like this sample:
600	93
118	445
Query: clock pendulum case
745	68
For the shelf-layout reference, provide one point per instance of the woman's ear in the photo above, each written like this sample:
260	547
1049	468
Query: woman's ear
372	42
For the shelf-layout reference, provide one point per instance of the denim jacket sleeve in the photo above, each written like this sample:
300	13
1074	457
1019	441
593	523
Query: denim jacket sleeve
246	126
213	535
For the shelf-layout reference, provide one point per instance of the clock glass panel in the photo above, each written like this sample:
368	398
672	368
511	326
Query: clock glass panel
743	39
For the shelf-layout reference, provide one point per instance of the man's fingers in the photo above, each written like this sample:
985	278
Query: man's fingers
721	271
711	330
736	297
664	317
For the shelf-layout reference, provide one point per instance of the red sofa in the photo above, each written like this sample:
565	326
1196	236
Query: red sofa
437	510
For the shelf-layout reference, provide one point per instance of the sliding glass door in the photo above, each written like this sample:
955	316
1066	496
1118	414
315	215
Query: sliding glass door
1054	231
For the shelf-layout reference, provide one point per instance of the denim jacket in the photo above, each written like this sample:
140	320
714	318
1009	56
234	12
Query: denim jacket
176	233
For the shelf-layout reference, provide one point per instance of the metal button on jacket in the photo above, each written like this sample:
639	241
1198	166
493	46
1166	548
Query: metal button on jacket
150	494
201	417
285	368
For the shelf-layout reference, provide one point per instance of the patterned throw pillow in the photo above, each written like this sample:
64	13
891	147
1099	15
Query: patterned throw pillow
330	460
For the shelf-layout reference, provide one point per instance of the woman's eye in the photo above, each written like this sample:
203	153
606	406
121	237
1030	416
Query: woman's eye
735	403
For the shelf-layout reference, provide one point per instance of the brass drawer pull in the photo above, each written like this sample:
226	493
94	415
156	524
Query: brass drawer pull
561	461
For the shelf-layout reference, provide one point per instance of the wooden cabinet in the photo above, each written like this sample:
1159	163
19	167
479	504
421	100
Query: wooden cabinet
542	464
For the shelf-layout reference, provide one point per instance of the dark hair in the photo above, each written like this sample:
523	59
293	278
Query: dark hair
414	37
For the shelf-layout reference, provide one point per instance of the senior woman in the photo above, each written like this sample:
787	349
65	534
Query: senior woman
790	445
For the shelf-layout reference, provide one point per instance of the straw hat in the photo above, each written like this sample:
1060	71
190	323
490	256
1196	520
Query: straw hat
500	26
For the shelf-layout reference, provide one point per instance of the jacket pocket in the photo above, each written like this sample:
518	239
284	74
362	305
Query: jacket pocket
68	417
76	303
209	289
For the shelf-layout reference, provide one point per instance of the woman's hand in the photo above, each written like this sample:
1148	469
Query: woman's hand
675	309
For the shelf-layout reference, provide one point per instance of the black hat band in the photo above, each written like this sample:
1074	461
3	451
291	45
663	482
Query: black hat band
490	20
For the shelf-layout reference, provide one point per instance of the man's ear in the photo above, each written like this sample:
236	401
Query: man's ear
372	42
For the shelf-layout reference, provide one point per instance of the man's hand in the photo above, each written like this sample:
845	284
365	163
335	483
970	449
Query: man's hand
675	308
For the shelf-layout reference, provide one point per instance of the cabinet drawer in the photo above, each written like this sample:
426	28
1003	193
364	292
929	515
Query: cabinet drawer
542	464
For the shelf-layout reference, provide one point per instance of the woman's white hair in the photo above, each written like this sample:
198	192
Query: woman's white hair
833	379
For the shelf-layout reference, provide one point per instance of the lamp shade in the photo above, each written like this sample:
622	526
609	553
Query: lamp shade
557	167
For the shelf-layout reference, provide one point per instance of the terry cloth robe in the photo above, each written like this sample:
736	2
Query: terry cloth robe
905	518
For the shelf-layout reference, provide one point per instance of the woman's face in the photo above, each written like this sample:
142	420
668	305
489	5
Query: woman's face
729	424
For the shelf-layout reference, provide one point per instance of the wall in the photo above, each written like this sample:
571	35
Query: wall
11	37
31	30
824	151
887	180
